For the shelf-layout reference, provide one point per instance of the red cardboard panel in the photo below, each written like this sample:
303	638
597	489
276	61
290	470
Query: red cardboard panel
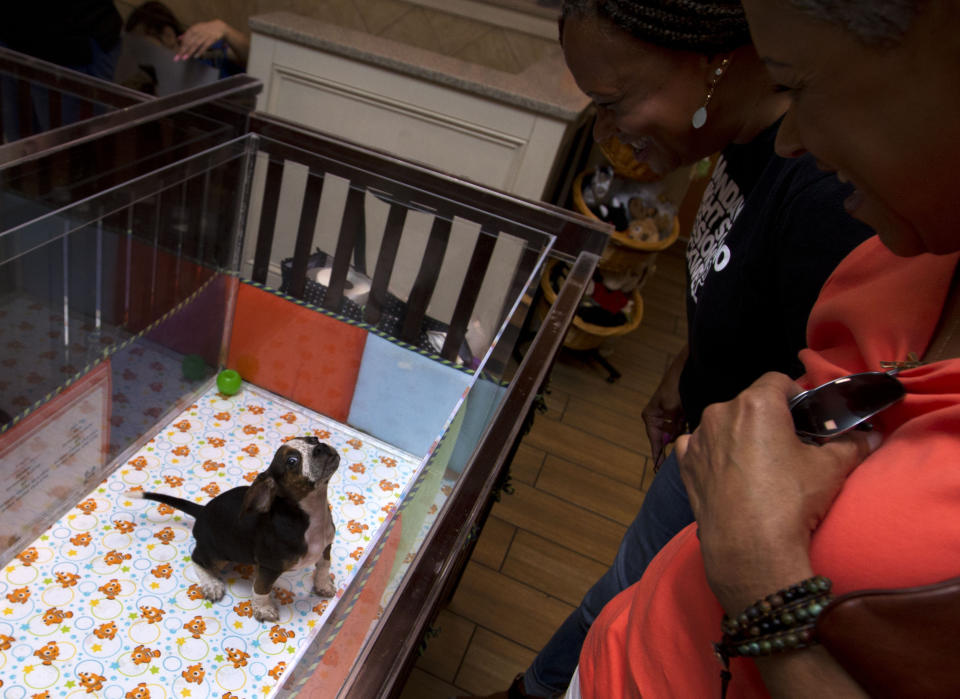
295	352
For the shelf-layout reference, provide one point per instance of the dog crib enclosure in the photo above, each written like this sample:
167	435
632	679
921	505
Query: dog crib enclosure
388	329
37	97
44	107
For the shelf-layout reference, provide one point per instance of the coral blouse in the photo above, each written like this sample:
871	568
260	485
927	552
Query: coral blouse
895	523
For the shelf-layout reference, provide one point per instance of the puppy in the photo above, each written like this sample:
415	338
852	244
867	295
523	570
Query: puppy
280	522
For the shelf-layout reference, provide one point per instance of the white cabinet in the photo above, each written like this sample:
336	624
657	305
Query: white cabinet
506	130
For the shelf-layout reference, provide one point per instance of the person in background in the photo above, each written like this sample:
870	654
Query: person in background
780	521
214	42
679	81
83	35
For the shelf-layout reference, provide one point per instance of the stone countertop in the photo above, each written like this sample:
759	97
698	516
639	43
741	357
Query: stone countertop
544	87
549	10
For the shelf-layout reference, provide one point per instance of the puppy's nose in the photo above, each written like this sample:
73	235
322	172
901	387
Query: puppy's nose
324	449
311	440
324	461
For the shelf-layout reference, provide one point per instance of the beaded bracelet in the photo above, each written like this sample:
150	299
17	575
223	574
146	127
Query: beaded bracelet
777	619
795	638
781	622
788	598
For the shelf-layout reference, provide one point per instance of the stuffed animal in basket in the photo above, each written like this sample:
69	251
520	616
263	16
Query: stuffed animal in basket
278	523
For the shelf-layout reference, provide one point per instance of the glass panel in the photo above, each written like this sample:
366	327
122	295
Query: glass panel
392	338
121	299
36	187
36	96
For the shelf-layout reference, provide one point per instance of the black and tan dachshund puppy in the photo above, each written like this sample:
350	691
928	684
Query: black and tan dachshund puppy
278	523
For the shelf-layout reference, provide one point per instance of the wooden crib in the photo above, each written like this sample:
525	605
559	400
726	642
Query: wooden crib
395	337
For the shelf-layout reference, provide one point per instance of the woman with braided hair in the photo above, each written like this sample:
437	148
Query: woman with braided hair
679	80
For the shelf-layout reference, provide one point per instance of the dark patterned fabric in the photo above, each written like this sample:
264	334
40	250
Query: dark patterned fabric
391	316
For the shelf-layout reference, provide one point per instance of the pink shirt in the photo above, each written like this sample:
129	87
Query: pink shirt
895	523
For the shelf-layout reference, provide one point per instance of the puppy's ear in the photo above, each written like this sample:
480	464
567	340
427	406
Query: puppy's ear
259	496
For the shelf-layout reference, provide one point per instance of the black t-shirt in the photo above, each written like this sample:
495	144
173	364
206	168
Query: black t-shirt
768	233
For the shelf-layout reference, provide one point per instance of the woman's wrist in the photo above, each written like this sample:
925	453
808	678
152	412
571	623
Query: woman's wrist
739	578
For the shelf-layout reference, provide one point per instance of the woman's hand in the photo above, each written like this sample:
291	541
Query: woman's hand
663	416
198	38
758	492
201	36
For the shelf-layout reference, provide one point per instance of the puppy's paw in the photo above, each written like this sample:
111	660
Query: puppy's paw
265	611
212	586
213	590
324	587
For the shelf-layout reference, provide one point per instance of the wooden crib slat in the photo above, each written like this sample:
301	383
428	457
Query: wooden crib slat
360	249
351	227
185	200
84	110
518	285
43	178
47	177
486	210
60	167
469	293
520	278
56	114
216	214
426	280
412	183
268	219
25	104
308	222
385	261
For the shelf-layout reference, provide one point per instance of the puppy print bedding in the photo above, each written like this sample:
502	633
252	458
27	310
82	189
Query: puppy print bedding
108	603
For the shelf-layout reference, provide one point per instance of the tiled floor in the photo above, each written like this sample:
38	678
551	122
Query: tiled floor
579	479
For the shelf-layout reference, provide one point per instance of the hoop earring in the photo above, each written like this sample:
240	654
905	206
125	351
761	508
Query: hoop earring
700	116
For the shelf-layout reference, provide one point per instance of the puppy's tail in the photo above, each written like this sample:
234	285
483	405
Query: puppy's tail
191	508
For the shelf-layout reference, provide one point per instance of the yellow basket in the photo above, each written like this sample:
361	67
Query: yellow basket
623	253
582	335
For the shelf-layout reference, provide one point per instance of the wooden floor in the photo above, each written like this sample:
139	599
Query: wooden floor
579	479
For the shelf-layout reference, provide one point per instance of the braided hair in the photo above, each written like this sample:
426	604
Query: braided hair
703	26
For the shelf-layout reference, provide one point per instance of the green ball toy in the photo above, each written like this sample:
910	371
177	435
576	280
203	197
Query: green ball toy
228	382
194	368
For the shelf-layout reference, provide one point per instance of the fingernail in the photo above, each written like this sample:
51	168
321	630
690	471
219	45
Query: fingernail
874	439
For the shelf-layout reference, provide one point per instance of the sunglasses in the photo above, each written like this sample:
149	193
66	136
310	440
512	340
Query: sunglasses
844	404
